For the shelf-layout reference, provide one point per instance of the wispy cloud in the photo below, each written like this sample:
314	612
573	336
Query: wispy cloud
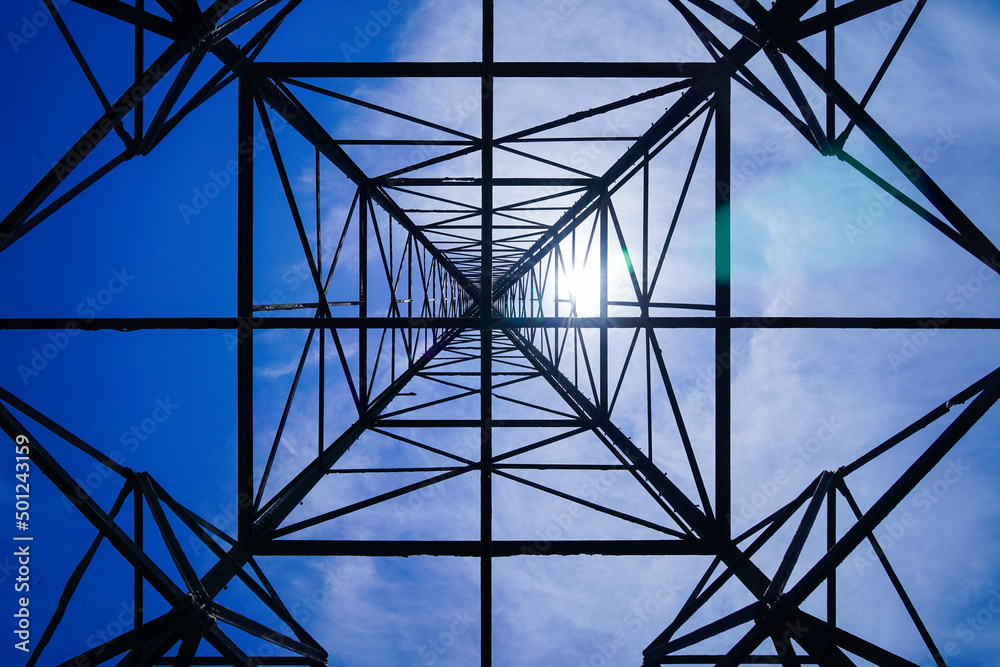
803	401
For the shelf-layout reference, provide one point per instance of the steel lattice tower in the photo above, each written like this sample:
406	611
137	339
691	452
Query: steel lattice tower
443	312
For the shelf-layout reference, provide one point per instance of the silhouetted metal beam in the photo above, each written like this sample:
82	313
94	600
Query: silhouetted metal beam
473	548
986	251
695	518
76	153
897	492
523	181
286	500
164	625
471	70
126	324
485	305
89	508
313	132
186	35
129	14
722	101
845	13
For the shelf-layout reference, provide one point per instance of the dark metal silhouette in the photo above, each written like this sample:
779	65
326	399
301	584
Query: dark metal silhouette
462	292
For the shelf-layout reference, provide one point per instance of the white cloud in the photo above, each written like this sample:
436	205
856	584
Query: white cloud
803	401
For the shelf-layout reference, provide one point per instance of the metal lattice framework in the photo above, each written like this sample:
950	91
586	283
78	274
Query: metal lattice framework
461	293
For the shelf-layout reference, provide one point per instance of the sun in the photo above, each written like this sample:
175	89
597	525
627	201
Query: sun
580	293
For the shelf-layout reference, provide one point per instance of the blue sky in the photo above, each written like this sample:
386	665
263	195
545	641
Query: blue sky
810	237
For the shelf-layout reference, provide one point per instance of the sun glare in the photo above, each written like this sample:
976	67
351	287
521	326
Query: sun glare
581	291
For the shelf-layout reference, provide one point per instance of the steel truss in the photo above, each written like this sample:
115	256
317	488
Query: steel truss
458	288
